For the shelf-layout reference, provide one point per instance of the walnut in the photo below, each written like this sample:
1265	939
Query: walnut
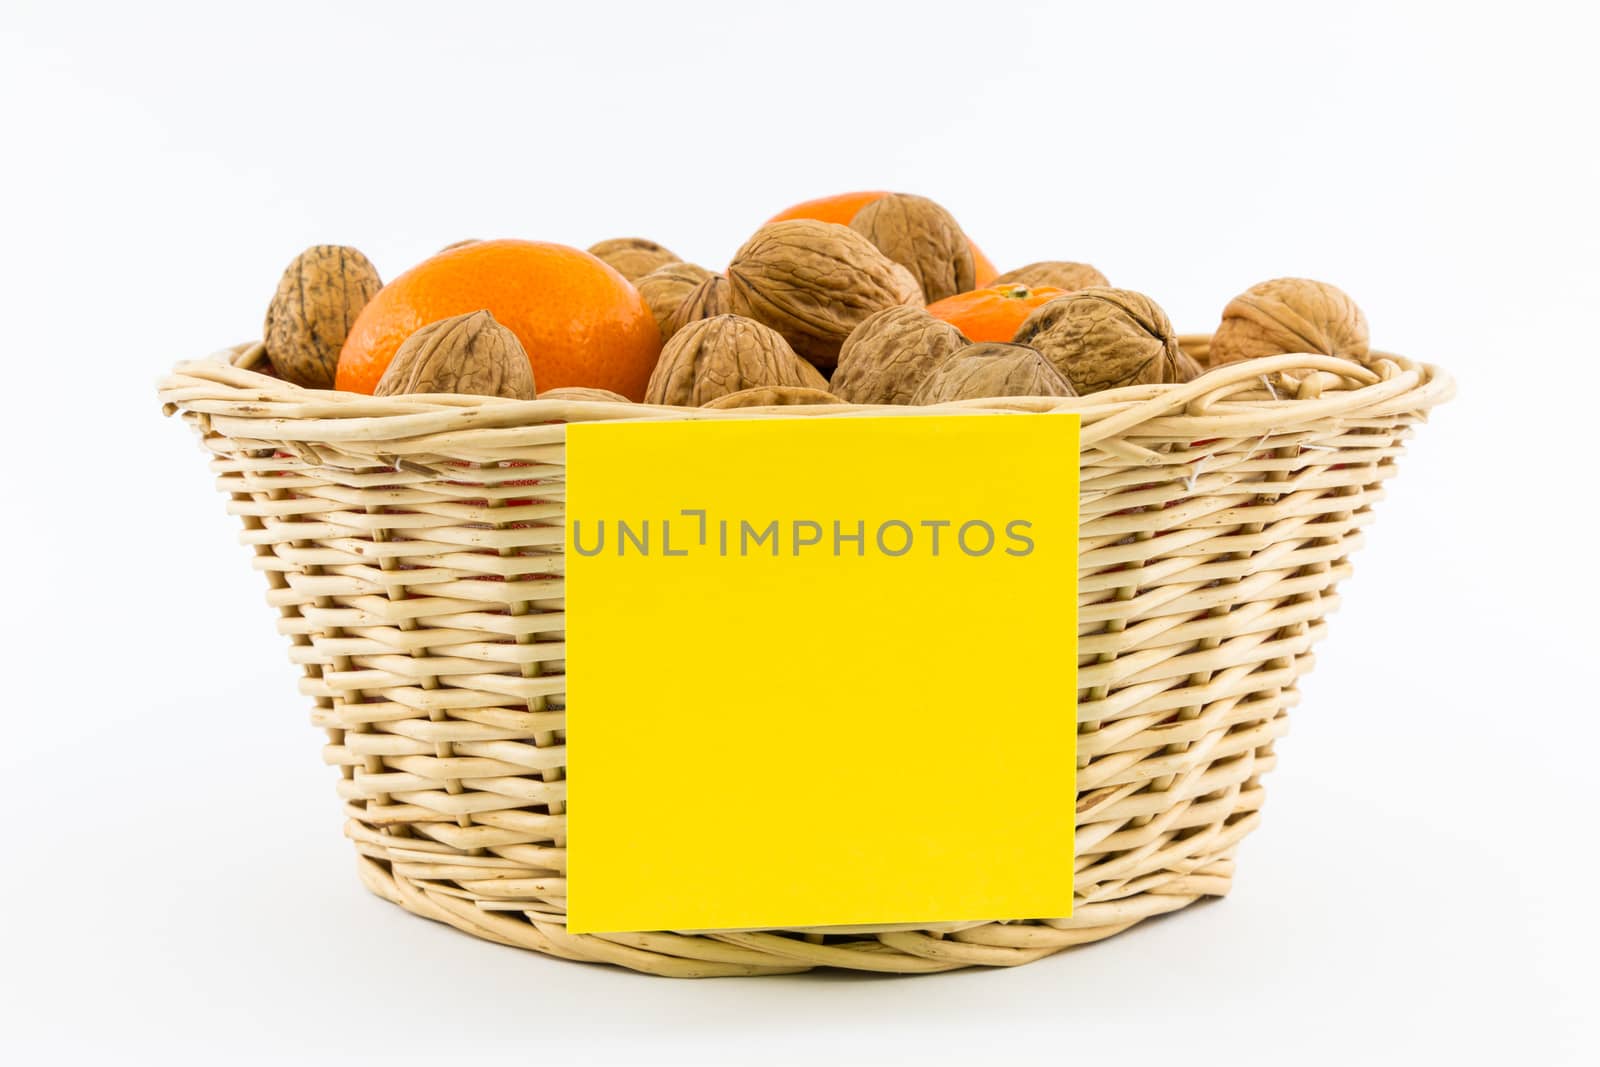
705	300
1054	272
888	355
318	299
1188	368
666	287
766	396
464	242
632	257
922	237
814	282
1289	315
906	285
992	369
578	392
717	356
469	353
1102	338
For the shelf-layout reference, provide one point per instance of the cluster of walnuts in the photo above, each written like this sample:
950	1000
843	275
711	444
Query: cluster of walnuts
815	312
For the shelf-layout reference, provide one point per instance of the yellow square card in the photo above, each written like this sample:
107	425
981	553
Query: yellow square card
821	670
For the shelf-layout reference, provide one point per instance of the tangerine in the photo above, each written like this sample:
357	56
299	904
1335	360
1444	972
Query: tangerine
993	313
581	323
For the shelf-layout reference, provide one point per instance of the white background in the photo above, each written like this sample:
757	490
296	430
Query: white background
1423	889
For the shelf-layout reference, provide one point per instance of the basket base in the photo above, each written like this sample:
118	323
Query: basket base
903	951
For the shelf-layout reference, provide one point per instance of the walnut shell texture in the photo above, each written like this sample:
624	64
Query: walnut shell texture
579	392
632	257
1060	273
992	369
767	396
1289	315
666	287
906	287
469	353
1188	368
887	356
717	356
708	299
318	299
814	282
924	238
1102	338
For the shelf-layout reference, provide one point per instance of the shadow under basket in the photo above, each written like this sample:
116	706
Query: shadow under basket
413	546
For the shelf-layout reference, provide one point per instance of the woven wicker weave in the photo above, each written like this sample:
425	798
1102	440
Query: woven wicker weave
422	595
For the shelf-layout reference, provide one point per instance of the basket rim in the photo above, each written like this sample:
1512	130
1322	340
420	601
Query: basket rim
1255	396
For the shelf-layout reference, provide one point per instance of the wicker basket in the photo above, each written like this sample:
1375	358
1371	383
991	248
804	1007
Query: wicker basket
422	595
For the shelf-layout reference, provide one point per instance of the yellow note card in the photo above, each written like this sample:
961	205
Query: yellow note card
821	671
